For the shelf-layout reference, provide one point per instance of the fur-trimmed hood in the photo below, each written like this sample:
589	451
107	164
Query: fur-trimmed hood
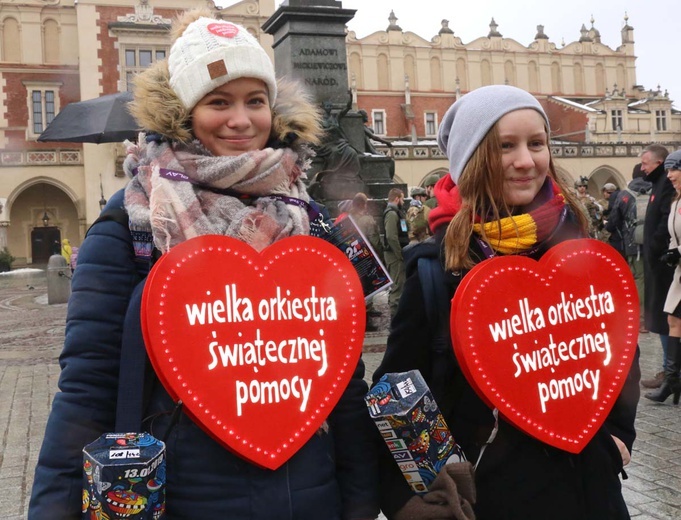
157	109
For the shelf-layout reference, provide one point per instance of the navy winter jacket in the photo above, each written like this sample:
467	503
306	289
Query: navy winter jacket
332	477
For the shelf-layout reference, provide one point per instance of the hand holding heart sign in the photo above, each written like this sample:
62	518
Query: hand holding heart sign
549	343
259	347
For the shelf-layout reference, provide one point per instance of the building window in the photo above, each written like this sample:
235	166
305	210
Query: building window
661	120
136	59
431	124
616	119
43	101
378	117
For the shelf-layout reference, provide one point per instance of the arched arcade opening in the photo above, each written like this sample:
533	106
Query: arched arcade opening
41	214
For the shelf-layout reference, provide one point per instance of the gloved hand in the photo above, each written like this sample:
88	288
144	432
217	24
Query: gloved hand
451	496
671	258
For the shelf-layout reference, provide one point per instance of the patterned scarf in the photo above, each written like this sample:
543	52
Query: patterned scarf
509	235
182	191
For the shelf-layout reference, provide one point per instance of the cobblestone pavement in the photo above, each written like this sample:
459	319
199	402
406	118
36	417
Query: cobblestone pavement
31	335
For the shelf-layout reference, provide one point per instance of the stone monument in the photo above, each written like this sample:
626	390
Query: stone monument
309	45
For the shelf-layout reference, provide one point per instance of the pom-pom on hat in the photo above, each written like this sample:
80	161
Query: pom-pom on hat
210	53
467	121
673	161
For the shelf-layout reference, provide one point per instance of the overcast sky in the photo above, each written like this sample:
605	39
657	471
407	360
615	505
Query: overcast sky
656	24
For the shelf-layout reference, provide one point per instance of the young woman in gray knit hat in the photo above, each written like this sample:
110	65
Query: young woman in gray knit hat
502	197
224	154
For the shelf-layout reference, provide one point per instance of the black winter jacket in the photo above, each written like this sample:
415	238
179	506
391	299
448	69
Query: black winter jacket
518	476
617	214
657	275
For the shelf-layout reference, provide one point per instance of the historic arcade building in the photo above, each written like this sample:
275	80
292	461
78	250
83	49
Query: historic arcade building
54	52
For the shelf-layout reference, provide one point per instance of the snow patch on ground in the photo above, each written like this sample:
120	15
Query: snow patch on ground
24	271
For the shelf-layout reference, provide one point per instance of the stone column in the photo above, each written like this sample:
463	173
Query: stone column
309	45
4	224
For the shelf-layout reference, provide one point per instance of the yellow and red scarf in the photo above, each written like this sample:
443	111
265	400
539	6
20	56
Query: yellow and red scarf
509	235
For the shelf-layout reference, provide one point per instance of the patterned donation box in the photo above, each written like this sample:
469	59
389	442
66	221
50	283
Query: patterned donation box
412	426
124	477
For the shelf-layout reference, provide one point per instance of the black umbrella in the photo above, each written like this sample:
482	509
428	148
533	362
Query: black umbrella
101	120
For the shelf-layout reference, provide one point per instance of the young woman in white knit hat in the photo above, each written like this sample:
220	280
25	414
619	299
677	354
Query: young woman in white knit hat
501	197
215	115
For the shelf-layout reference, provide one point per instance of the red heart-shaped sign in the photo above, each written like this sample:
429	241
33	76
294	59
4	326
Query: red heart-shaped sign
258	346
549	343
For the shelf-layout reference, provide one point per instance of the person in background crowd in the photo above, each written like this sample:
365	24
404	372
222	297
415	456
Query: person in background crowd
366	223
343	208
369	228
672	306
657	274
396	238
74	258
592	209
619	205
419	194
66	250
639	186
638	172
604	202
429	184
216	115
501	175
417	216
608	189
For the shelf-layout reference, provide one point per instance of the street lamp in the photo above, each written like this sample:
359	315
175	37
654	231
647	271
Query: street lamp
46	218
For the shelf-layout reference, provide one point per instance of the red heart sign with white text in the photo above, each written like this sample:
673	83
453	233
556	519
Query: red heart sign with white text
549	343
258	346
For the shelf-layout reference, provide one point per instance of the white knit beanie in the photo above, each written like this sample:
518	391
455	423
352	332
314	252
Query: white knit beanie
467	121
211	53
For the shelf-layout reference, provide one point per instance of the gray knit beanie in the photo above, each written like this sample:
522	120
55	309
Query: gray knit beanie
673	161
469	119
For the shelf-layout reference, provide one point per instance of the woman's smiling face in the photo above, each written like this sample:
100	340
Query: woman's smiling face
525	155
234	118
675	177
